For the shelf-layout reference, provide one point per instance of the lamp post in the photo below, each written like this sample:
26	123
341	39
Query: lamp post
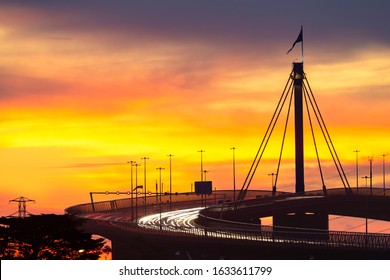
131	188
145	158
136	173
160	168
234	173
366	177
136	186
170	180
384	174
205	172
156	194
273	186
136	201
370	160
204	195
201	164
357	170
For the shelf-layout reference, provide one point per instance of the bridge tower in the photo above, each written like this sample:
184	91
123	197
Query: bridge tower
297	76
297	94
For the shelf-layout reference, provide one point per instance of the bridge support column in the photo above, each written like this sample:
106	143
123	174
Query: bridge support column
307	225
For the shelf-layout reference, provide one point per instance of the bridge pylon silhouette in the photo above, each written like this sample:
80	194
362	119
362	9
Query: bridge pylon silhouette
297	91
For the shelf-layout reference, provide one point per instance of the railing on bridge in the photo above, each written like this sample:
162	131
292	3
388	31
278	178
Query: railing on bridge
152	202
217	196
266	199
261	234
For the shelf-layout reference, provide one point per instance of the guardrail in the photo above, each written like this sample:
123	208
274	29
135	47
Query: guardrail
226	195
264	236
261	234
151	201
353	192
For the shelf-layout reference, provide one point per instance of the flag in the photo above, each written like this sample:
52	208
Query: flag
299	39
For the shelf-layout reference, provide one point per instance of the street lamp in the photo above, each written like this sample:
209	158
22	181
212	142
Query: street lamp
273	186
136	173
160	168
234	174
366	177
384	174
370	160
131	187
205	172
357	170
170	180
136	201
201	164
145	158
204	195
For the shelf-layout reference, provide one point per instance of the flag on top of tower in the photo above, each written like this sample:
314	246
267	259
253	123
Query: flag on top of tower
299	39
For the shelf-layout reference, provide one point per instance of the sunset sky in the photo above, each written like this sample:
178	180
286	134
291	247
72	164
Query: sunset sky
86	86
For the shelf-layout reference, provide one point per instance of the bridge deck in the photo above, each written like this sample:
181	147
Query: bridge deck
116	219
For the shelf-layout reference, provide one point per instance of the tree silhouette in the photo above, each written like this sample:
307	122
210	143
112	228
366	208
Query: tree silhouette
106	250
48	236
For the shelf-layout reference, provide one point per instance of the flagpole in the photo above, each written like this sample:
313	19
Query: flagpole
302	41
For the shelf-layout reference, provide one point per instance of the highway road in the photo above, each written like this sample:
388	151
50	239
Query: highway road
175	221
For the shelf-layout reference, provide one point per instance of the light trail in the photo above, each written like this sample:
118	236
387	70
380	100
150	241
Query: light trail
184	221
180	220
